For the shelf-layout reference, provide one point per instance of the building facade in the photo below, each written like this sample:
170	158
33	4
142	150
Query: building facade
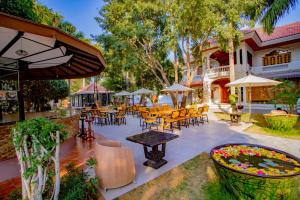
275	56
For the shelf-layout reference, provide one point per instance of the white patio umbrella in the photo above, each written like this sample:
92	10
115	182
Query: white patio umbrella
123	93
141	92
252	81
177	88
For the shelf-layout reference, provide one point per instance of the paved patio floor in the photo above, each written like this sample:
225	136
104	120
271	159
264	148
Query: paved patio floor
191	142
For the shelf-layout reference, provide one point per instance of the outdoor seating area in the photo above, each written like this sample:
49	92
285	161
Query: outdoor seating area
156	100
159	117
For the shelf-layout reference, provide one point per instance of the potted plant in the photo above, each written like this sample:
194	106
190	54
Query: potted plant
233	101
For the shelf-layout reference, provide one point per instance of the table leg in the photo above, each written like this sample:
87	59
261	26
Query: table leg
155	156
111	119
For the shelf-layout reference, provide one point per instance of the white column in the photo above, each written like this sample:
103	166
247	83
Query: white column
209	93
244	96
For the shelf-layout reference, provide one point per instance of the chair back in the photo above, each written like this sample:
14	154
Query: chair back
205	108
175	114
191	111
121	113
182	112
145	115
200	110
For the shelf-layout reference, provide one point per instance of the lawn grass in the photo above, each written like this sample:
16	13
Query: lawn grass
194	179
260	126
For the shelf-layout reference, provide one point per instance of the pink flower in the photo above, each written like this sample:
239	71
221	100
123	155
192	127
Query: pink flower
259	172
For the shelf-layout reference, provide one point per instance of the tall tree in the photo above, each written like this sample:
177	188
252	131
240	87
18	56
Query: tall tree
233	15
138	28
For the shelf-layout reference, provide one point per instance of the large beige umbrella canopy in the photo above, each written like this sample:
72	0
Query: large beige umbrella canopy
123	93
252	81
142	91
177	88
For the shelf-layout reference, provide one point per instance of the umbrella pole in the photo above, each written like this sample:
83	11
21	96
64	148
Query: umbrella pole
177	101
250	103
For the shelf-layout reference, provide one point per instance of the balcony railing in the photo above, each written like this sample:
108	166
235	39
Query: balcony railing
291	66
222	71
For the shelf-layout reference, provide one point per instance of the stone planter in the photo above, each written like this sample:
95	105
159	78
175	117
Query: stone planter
250	171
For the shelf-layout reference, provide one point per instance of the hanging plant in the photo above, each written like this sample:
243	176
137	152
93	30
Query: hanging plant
37	145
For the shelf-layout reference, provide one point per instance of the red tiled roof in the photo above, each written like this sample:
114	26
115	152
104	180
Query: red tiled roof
280	31
90	89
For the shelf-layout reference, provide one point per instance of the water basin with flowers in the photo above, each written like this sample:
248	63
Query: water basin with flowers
251	171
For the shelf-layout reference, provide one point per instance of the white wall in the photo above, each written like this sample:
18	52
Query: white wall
294	48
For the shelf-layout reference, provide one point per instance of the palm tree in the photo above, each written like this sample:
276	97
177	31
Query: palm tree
273	10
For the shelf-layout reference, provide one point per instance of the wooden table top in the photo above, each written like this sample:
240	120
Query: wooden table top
152	138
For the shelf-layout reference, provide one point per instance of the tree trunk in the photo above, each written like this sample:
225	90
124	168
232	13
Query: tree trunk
176	66
231	63
174	99
57	167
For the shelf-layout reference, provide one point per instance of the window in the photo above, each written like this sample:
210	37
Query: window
249	58
241	56
277	57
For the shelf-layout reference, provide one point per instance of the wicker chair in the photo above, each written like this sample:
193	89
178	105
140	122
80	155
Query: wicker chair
120	117
171	120
115	164
148	120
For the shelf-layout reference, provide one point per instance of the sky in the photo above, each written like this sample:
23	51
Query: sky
81	13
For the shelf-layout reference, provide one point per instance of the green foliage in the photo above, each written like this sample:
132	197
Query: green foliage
37	133
76	184
21	8
272	11
135	41
232	16
34	11
39	92
281	122
59	89
233	99
91	162
15	194
287	93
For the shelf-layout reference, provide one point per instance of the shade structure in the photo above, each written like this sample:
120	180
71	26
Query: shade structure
123	93
252	81
40	52
177	88
142	91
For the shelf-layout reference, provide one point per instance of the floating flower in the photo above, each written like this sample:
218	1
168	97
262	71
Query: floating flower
256	160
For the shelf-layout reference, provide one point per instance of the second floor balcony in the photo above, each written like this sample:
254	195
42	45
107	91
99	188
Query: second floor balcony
216	72
278	69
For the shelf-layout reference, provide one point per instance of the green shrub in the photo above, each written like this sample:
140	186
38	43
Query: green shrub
281	122
77	184
15	194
